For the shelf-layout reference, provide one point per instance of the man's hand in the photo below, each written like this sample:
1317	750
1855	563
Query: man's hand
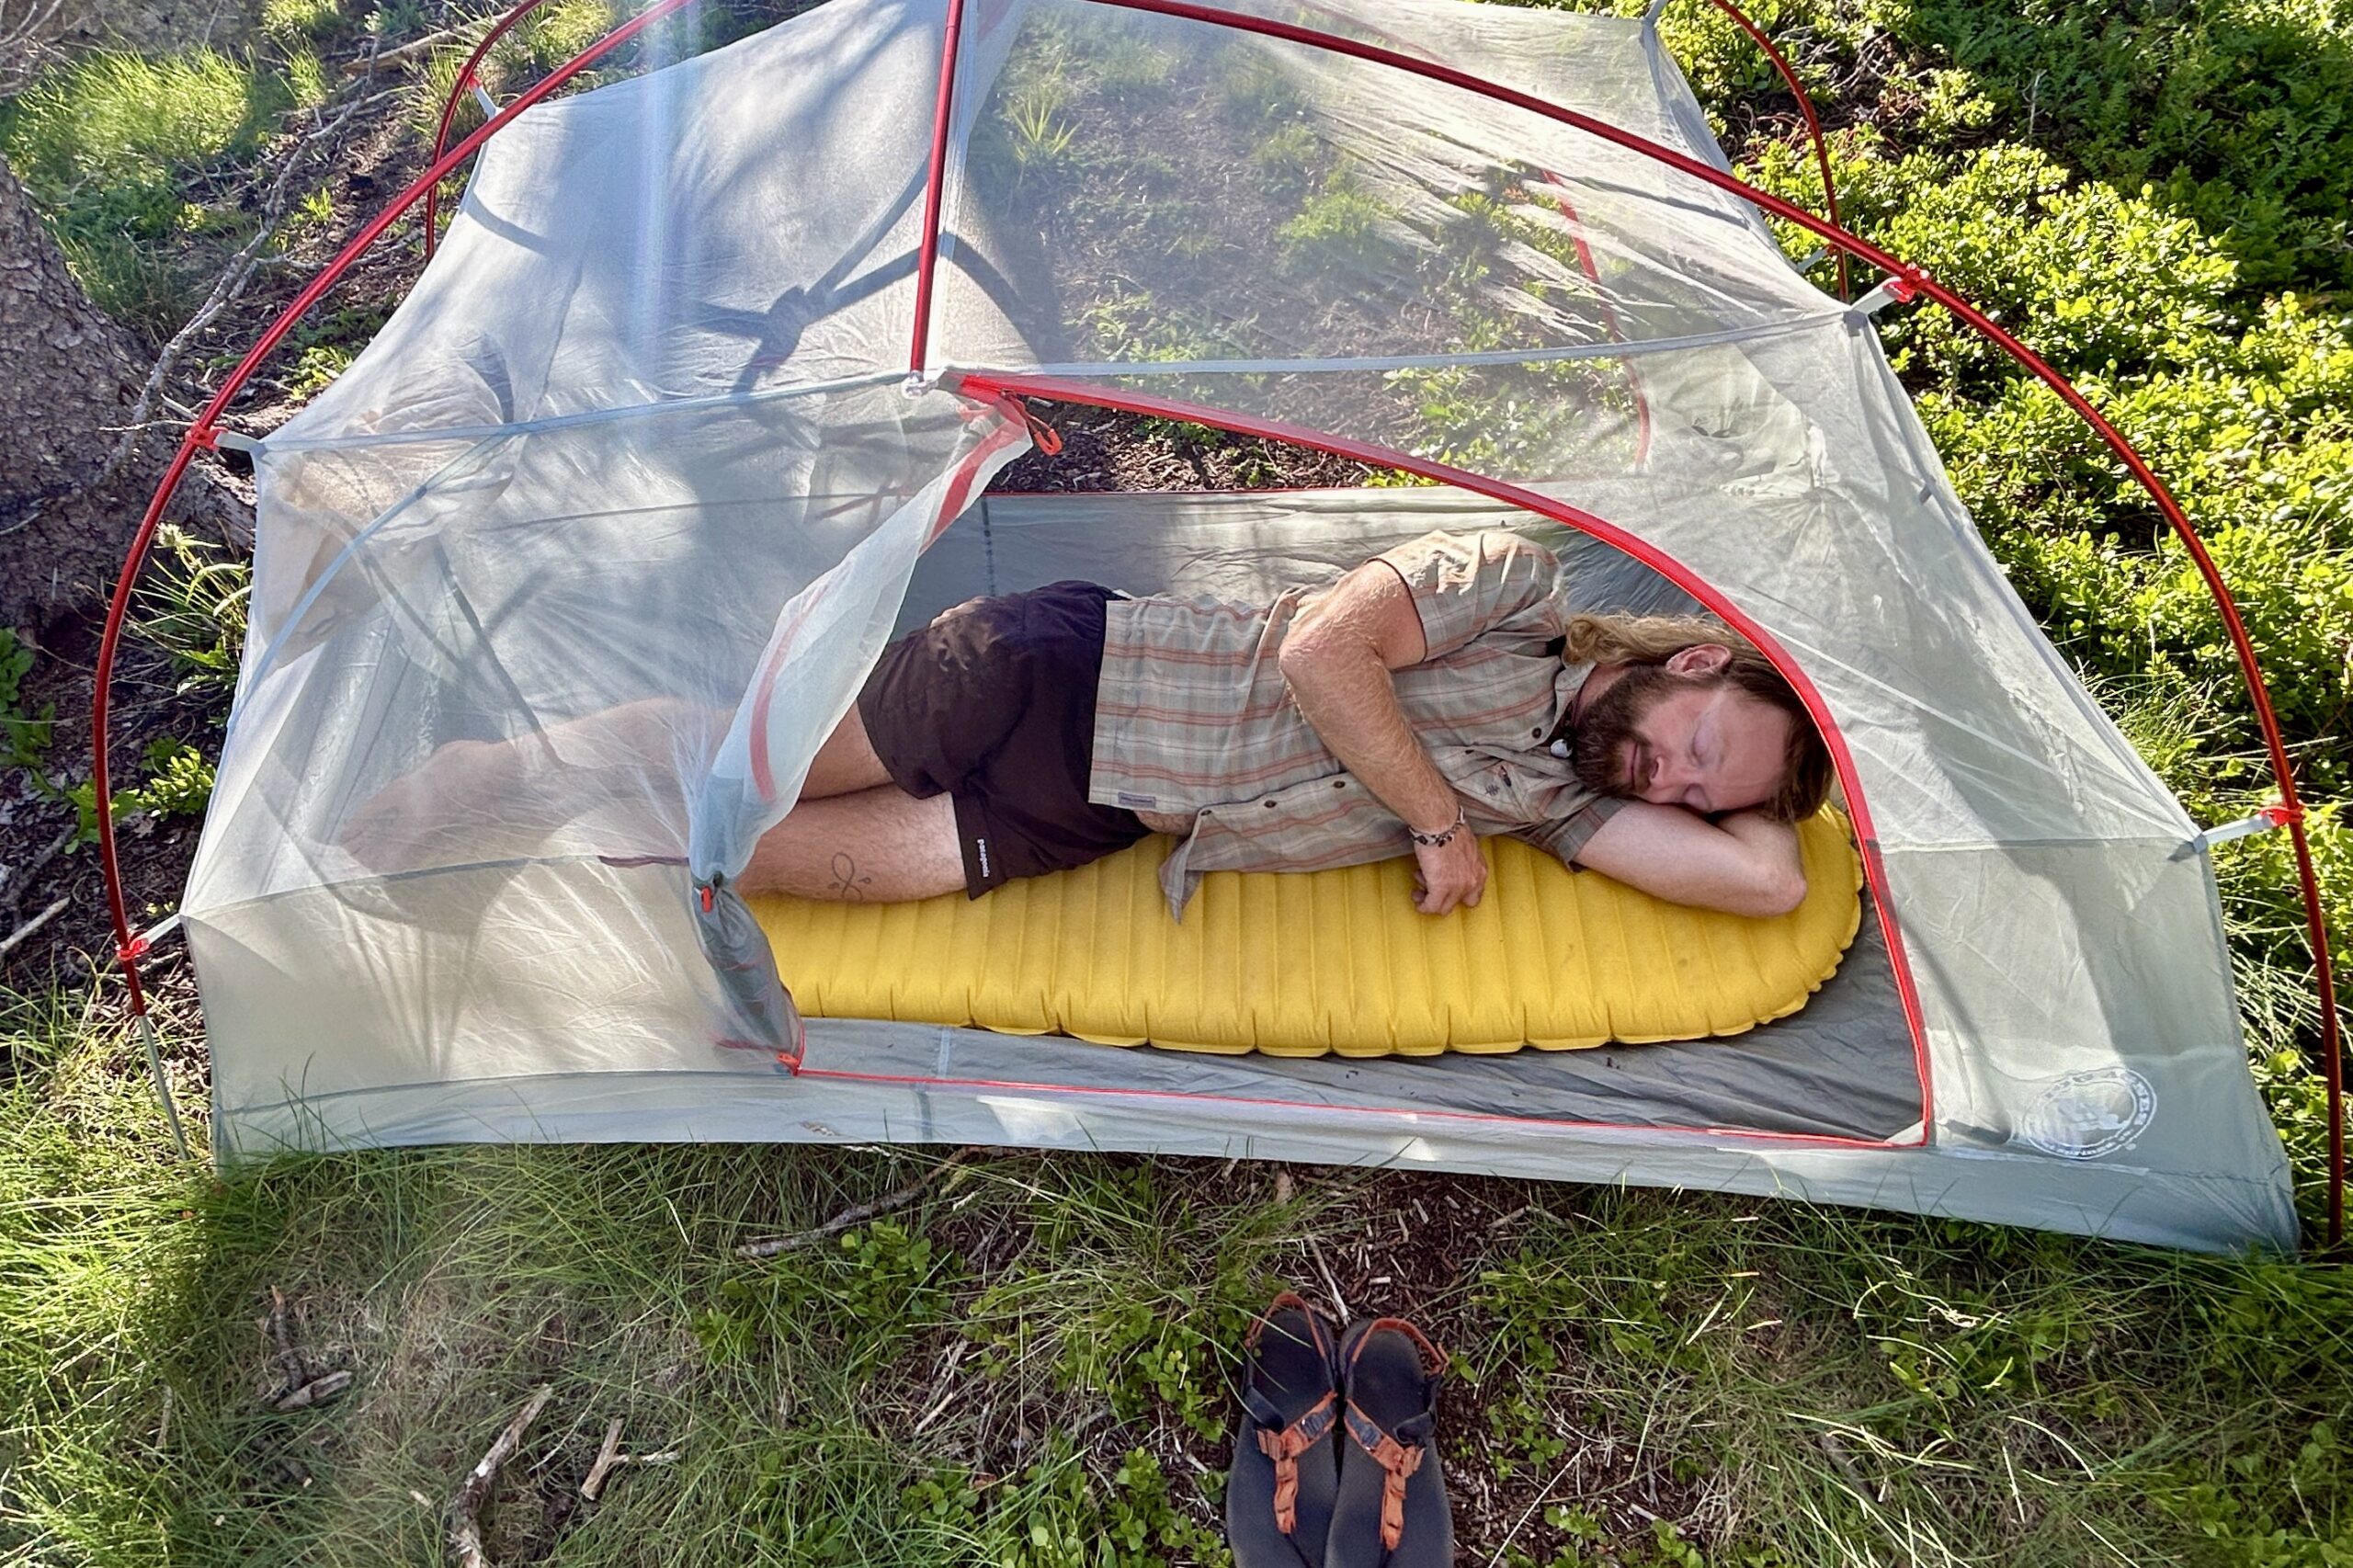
1450	875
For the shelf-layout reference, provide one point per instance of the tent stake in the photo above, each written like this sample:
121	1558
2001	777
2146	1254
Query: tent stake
163	1084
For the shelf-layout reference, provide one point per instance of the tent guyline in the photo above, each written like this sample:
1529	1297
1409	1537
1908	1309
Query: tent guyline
1907	280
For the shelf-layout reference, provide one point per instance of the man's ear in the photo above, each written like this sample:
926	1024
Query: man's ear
1699	659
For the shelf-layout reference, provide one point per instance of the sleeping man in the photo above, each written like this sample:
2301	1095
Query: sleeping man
1441	692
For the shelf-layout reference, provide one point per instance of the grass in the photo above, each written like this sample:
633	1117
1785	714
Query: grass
1026	1365
116	148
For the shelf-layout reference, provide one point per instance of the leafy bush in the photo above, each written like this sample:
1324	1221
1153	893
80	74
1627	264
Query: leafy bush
2236	111
179	784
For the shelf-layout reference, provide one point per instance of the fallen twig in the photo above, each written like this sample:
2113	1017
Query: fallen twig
858	1214
35	923
465	1507
410	50
1339	1303
610	1458
318	1391
23	50
290	1366
19	878
607	1457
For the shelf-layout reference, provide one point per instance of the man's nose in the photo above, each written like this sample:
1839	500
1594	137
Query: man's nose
1671	780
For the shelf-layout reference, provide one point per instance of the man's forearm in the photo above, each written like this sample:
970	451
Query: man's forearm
1744	863
1350	699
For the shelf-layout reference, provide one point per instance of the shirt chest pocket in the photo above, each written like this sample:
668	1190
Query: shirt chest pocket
1511	791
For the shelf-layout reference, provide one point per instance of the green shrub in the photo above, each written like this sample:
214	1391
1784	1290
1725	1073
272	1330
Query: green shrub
179	784
2088	276
192	605
2236	111
1340	227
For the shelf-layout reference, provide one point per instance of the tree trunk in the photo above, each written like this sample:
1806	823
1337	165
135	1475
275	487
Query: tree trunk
72	378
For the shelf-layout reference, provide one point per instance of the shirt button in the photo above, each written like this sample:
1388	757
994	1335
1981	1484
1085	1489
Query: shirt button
1339	783
1270	805
1537	735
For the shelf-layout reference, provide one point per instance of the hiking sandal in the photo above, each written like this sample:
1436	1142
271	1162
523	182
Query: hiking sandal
1286	1459
1392	1510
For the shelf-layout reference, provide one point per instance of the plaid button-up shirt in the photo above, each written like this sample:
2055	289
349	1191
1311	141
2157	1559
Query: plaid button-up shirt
1192	717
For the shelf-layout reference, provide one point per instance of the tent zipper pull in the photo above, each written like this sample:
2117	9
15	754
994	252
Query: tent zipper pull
1042	436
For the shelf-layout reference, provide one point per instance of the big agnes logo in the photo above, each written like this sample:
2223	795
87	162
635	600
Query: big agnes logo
2086	1115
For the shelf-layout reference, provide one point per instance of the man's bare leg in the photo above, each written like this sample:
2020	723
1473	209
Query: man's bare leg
879	845
846	763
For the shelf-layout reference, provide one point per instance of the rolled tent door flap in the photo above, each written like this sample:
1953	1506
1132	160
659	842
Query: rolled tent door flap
826	637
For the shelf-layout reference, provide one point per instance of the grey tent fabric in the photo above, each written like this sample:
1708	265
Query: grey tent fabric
560	584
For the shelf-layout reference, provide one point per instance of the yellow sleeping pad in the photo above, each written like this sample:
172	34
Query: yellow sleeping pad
1305	963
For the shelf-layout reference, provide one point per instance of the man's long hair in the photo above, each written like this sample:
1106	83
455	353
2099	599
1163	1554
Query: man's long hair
1807	773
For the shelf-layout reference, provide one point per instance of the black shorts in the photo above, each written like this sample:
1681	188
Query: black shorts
994	704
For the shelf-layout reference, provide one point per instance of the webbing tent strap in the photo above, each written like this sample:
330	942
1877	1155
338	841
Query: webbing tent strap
1889	291
2271	817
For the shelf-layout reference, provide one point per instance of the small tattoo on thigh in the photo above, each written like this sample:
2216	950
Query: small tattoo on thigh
847	883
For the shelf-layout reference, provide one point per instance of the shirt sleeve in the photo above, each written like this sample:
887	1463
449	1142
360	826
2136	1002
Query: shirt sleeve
1464	585
1565	836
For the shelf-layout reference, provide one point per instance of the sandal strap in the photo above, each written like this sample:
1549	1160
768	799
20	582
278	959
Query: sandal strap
1285	1446
1397	1461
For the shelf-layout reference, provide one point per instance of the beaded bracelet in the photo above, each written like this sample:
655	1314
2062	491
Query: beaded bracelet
1438	840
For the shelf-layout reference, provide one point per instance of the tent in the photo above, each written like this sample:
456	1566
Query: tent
695	403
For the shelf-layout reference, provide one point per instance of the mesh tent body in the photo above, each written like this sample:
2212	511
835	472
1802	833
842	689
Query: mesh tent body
624	499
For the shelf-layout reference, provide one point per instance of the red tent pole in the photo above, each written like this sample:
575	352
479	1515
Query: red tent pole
204	434
1813	124
926	259
1909	279
465	79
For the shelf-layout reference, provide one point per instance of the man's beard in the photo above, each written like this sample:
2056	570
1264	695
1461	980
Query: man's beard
1605	732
